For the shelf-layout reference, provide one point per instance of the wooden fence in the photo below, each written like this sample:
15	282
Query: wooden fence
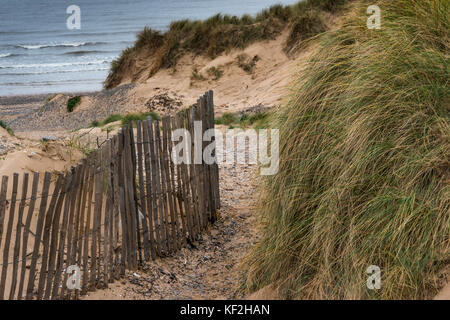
126	203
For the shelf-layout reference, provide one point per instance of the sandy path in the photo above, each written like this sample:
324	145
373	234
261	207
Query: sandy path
209	268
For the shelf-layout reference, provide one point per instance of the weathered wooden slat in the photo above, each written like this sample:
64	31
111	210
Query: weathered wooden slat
98	198
129	205
46	241
215	178
212	182
80	224
160	188
38	235
163	179
142	192
106	215
169	182
122	200
19	225
88	224
116	201
208	167
26	232
129	232
149	194
194	175
155	195
134	202
110	211
3	205
176	187
53	254
76	172
186	186
62	237
201	165
8	236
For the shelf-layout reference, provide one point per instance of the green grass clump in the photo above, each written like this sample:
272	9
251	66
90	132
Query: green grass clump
134	117
259	120
95	123
111	118
215	73
364	163
73	103
213	36
6	127
227	118
125	119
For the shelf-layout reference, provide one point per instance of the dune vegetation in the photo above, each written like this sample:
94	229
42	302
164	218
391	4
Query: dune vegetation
125	119
6	127
364	163
72	103
221	33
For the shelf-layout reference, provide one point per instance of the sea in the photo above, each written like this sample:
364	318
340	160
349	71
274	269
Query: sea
47	46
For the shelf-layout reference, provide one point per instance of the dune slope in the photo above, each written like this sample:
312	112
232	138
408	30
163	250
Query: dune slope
364	164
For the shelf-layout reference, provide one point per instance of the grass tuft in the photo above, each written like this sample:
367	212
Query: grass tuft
73	103
6	127
125	119
259	120
134	117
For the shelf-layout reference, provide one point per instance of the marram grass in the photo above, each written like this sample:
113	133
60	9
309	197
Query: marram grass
364	163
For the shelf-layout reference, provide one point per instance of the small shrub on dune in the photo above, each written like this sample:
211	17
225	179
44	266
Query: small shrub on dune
6	127
73	103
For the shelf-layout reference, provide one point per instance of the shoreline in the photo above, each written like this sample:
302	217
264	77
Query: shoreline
36	97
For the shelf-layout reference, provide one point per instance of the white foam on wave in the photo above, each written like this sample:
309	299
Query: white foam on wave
4	55
55	65
54	71
52	45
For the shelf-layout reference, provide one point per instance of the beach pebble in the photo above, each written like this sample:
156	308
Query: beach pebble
49	138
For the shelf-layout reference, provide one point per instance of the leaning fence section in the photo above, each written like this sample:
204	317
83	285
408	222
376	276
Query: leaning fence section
65	234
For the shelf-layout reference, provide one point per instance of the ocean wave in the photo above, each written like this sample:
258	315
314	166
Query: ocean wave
56	82
55	65
52	72
4	55
83	52
55	45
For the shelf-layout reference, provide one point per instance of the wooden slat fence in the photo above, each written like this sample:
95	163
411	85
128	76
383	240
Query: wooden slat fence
125	204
